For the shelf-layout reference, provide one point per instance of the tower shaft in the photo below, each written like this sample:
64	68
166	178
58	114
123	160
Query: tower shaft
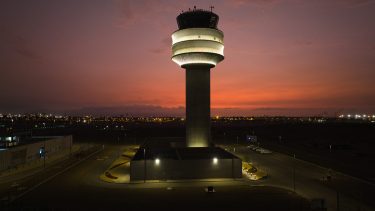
198	118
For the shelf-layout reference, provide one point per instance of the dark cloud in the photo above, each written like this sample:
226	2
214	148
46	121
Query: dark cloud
158	50
130	110
144	110
19	43
125	12
27	53
140	110
306	43
129	12
282	111
254	2
165	46
348	3
356	3
23	48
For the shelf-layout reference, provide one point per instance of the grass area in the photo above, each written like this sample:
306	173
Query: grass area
248	169
119	170
252	172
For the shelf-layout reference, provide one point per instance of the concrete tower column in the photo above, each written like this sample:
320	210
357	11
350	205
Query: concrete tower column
198	118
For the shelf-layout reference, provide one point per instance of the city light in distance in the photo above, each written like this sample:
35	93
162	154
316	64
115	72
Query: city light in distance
357	116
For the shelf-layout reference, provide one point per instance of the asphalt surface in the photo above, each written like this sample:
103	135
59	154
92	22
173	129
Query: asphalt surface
14	186
80	188
307	180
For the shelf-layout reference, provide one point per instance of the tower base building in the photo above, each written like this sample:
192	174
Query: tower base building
163	162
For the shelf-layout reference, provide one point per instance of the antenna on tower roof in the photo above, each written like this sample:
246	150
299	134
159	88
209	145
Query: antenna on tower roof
211	7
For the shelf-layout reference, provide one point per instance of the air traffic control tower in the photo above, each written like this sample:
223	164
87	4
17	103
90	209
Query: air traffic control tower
198	46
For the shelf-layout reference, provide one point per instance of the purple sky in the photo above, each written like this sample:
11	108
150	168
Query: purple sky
287	57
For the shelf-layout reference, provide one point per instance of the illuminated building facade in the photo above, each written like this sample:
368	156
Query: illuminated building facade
198	46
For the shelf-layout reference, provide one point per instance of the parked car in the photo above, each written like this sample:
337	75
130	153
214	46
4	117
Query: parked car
210	189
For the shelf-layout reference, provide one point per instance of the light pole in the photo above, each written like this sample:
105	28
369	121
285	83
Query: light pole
144	159
294	172
70	147
44	154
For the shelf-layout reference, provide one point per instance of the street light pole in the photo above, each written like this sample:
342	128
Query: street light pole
337	200
70	147
44	154
144	159
294	172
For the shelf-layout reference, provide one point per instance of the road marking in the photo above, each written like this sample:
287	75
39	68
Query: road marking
258	186
14	184
21	188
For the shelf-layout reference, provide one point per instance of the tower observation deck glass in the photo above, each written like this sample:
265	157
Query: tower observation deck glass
197	19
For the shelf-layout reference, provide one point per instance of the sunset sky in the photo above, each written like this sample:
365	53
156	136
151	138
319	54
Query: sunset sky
282	57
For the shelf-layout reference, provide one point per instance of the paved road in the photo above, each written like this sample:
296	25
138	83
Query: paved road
81	188
352	193
12	186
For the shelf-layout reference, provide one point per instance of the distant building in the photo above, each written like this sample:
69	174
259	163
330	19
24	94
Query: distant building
251	139
167	160
11	139
8	141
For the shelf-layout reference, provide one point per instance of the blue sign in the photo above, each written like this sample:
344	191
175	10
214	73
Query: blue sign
42	152
250	138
